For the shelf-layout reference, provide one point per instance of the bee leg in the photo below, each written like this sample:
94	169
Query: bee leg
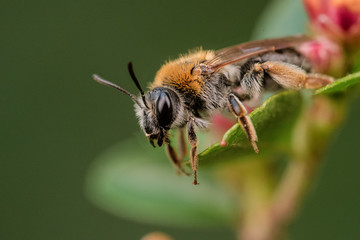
291	76
316	80
174	158
285	74
239	111
193	143
182	143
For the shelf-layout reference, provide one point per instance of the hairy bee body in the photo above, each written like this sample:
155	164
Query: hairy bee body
203	94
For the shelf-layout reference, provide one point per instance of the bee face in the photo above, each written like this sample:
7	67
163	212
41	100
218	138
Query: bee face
158	113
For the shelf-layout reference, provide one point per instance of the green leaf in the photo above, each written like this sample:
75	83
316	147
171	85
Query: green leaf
273	122
340	85
135	181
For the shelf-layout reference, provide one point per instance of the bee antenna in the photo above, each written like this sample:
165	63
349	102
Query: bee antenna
107	83
132	74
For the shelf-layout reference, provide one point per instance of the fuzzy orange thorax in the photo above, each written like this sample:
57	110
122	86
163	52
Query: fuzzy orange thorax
177	73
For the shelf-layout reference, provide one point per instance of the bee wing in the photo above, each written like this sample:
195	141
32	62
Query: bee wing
242	51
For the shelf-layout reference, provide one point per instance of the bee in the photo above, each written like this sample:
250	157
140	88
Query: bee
187	90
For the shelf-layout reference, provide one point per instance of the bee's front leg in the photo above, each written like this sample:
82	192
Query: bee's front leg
174	157
239	111
193	143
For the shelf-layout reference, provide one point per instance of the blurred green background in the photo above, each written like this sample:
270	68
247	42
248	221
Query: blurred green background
55	119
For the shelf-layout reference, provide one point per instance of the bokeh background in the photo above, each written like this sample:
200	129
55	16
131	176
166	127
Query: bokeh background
55	119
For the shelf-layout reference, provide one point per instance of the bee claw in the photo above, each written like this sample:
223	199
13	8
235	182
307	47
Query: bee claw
160	142
152	142
256	149
195	178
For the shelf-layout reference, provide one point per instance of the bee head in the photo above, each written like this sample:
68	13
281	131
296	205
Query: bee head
157	113
156	110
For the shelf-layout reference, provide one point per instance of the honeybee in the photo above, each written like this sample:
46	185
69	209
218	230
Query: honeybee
189	89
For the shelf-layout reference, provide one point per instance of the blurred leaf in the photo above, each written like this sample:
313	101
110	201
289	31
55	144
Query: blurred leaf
135	181
341	84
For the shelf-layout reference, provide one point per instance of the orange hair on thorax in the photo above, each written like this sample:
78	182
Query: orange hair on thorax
177	73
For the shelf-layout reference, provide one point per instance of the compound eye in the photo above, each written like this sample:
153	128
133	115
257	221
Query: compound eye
164	110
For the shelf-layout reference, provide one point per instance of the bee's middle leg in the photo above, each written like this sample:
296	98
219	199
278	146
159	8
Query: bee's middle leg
239	111
192	138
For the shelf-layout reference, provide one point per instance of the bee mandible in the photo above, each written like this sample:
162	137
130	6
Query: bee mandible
186	91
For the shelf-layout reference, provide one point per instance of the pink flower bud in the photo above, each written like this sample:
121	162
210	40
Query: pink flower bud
325	56
337	19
